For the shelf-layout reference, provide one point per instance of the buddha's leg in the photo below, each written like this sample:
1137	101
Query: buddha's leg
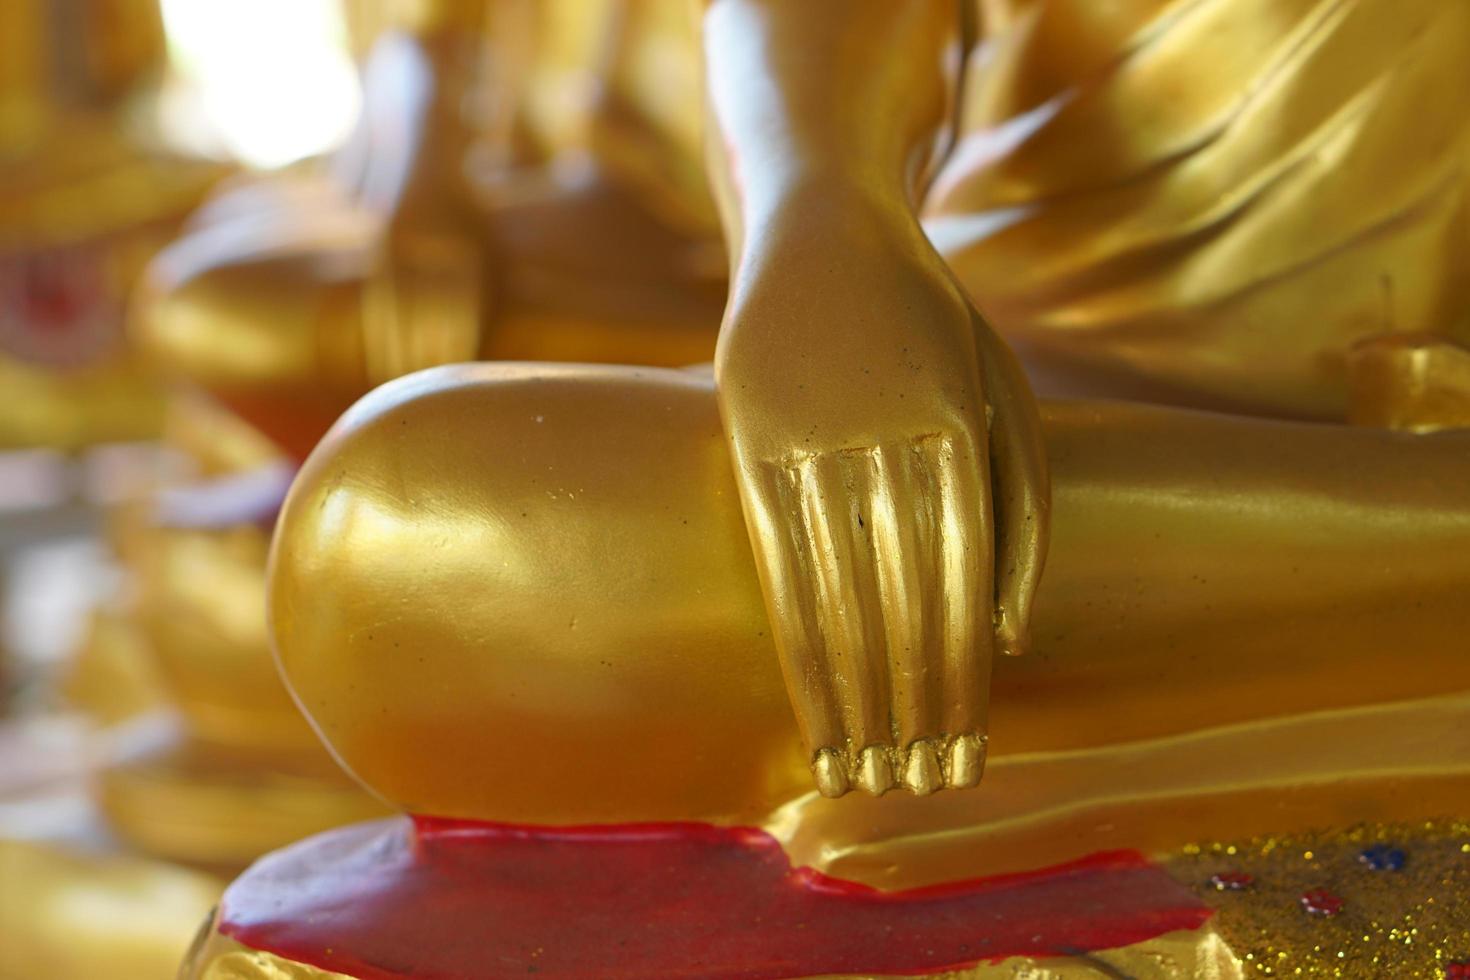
524	592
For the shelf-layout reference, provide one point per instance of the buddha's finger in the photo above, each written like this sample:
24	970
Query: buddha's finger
1021	485
848	606
966	581
779	529
901	528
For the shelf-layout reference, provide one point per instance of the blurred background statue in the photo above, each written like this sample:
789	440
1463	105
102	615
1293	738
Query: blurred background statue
90	187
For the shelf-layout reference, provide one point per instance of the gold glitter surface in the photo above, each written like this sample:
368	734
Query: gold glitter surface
1394	925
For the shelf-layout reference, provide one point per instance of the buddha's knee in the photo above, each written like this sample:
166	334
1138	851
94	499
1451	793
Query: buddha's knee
524	593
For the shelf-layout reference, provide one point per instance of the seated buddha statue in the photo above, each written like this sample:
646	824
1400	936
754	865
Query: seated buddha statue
523	595
89	189
514	189
621	641
242	773
292	294
247	774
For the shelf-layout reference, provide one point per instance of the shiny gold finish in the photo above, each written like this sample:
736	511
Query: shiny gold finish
248	774
220	958
69	916
430	238
1418	382
1409	922
886	445
291	295
1212	203
542	594
496	586
87	193
1211	246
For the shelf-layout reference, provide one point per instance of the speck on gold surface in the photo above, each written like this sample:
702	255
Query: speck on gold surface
1394	925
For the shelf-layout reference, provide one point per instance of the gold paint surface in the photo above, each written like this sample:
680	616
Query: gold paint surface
291	296
1408	923
1212	203
246	773
489	565
87	194
886	447
496	587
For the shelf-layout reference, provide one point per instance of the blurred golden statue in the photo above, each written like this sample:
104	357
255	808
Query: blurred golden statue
516	189
539	609
188	635
89	189
292	294
67	915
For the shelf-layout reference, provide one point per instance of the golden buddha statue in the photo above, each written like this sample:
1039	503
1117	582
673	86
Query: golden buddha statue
245	773
621	640
249	774
1300	190
538	608
467	218
89	189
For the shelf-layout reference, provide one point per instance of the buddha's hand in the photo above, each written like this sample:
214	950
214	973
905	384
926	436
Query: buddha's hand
889	456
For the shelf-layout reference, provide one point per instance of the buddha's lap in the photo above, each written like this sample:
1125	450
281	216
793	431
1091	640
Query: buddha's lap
524	592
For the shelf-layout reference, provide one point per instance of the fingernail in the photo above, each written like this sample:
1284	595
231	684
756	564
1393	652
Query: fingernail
875	771
966	761
921	772
830	771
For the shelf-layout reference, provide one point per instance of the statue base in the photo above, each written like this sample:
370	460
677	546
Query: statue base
398	899
440	898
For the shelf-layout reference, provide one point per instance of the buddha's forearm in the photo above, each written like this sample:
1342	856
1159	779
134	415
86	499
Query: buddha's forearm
1208	569
824	94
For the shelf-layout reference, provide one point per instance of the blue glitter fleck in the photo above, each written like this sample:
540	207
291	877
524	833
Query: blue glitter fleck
1382	857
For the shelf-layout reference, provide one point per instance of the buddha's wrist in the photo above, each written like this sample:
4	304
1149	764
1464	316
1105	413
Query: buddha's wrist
804	215
797	117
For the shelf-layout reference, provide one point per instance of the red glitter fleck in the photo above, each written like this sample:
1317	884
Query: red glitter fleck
1458	970
1232	881
472	901
1321	902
